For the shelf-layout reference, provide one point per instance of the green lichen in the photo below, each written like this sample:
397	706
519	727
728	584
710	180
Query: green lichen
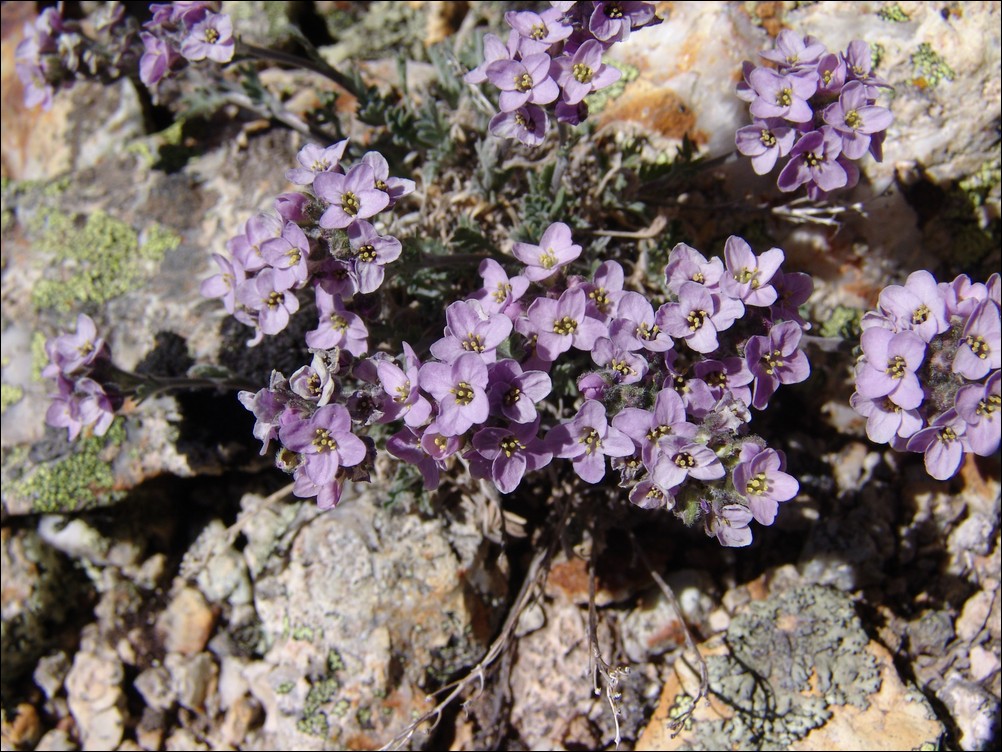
39	358
983	183
303	633
93	259
929	68
893	13
284	688
842	322
600	99
334	661
314	720
9	395
78	481
790	659
314	725
341	708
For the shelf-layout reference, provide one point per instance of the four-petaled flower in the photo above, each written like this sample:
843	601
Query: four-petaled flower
460	388
555	249
587	439
324	440
512	452
759	478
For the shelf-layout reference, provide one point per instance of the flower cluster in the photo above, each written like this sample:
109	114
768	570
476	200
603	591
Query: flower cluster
322	239
183	31
928	379
80	400
55	51
816	108
667	394
552	61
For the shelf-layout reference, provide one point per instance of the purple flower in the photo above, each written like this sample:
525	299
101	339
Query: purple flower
537	31
500	291
512	452
776	359
980	349
981	408
395	188
587	439
525	82
612	21
313	382
831	74
624	366
699	314
459	388
885	421
337	327
327	494
562	324
726	375
401	387
514	393
919	305
470	330
890	365
585	72
351	196
678	457
555	249
526	124
406	445
858	63
70	353
794	51
224	284
855	119
649	495
765	141
815	161
293	207
759	477
157	59
494	50
210	38
324	439
79	404
267	408
316	160
647	427
729	524
748	276
605	291
637	327
793	289
943	443
782	95
287	256
270	297
686	264
371	251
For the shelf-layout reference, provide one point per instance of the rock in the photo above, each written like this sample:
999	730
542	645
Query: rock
973	709
55	740
154	684
653	627
50	673
187	623
94	692
192	677
795	671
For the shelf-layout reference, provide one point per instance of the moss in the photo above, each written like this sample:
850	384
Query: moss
9	395
893	13
78	481
842	322
790	658
929	68
97	258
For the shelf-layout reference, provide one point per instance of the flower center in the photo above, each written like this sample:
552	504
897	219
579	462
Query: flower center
772	361
523	82
403	392
464	393
684	460
502	292
211	36
600	297
591	440
547	259
313	384
621	366
853	119
473	342
339	322
889	407
748	276
294	255
350	204
896	367
323	442
366	253
812	159
978	345
274	299
695	319
827	76
613	10
947	435
920	315
582	73
381	185
785	97
320	165
988	405
767	138
716	379
512	396
698	277
539	31
509	445
646	332
757	486
565	326
658	432
654	493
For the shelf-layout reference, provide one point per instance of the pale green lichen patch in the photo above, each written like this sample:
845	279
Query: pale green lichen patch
10	394
791	658
314	720
93	259
842	322
600	99
929	68
893	13
78	481
39	358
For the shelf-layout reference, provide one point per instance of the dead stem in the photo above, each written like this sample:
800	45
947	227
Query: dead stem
677	724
